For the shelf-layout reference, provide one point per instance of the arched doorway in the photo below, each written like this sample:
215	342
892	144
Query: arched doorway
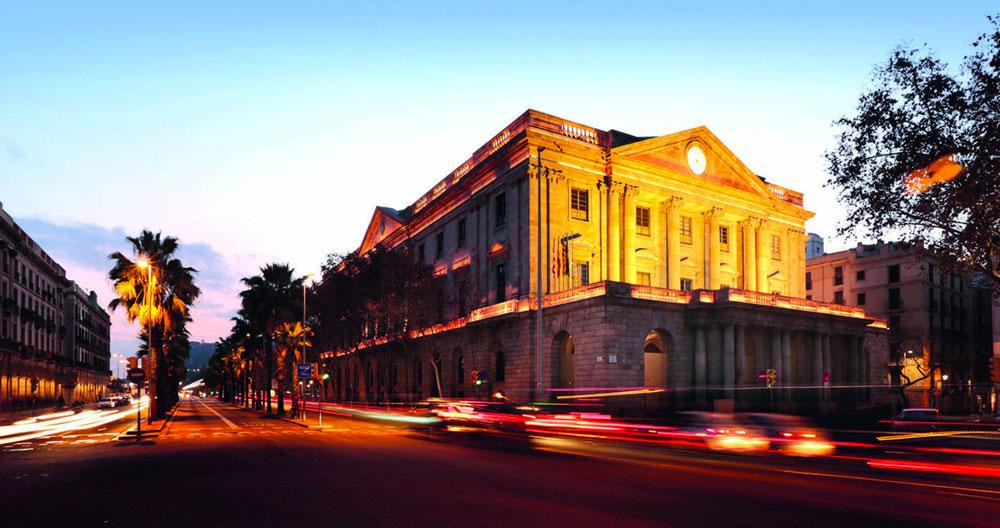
563	361
654	359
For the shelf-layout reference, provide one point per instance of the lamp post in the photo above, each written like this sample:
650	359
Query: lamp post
303	343
144	263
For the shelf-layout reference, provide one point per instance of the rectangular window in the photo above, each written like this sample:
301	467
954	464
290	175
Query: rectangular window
686	284
809	280
838	276
861	299
859	275
894	273
685	230
775	247
579	204
724	238
838	297
501	282
644	278
461	233
642	221
500	210
462	308
439	247
894	325
583	272
895	301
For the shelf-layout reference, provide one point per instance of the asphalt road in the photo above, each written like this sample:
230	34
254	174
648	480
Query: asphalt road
215	465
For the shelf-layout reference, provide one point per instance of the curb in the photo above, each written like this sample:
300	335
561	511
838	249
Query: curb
291	421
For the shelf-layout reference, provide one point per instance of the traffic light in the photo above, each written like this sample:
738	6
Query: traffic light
482	377
474	375
326	376
133	362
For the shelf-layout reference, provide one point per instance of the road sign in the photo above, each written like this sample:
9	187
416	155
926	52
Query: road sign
769	376
304	370
136	375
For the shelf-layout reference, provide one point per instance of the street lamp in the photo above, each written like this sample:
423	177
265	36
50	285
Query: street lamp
303	343
144	264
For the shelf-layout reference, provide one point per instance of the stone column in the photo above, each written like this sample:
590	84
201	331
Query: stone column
776	355
700	362
762	257
826	358
614	232
672	207
713	249
741	358
785	379
750	254
659	245
629	239
728	359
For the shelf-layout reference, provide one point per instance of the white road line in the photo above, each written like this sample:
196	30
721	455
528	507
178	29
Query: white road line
223	418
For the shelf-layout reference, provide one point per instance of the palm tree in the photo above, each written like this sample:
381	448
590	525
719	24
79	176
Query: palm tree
160	299
290	339
271	298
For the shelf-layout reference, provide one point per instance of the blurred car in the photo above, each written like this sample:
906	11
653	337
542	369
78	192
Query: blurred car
497	416
719	432
124	400
916	419
790	435
107	402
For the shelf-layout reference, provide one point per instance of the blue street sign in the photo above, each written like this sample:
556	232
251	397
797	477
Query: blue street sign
305	371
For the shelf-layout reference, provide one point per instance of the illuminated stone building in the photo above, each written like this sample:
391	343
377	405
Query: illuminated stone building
666	262
39	358
934	318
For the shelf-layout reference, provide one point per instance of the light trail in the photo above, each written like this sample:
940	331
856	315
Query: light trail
62	423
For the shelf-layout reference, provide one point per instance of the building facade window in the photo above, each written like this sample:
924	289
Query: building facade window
809	280
500	210
775	247
895	300
861	299
724	238
838	297
838	276
462	308
644	278
583	273
642	221
579	204
894	273
500	282
686	230
439	246
687	284
461	233
859	275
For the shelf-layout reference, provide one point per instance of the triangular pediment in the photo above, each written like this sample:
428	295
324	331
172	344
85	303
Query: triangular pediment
721	166
384	221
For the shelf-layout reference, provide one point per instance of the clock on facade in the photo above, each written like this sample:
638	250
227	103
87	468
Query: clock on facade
696	159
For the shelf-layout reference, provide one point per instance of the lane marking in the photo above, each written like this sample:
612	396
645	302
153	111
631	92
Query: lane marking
891	481
223	418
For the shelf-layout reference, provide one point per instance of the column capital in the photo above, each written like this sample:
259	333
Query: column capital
712	213
672	202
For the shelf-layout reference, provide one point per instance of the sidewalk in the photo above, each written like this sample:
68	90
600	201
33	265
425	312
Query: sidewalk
150	431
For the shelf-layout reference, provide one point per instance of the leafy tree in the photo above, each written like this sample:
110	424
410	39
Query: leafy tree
918	111
160	300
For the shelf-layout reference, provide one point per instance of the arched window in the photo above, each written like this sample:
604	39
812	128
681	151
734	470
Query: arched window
460	371
501	367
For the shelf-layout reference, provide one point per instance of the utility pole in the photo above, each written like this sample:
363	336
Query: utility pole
538	281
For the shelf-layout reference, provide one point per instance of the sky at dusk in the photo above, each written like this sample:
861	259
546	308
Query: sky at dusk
269	132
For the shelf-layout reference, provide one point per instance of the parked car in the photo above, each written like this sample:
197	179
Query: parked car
916	419
790	435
